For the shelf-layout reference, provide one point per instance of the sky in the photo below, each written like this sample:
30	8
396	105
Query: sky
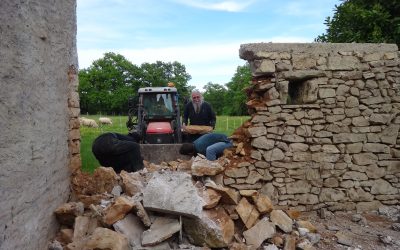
203	35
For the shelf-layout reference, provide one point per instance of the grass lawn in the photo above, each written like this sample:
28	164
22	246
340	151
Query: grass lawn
225	125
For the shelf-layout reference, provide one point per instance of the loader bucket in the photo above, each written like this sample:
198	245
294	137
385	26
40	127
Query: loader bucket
157	153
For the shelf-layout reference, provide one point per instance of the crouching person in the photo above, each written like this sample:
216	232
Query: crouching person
121	152
211	145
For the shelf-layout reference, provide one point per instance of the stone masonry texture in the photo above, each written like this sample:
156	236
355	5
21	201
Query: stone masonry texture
38	106
325	122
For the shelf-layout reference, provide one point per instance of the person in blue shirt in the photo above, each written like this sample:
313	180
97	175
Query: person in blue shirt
211	145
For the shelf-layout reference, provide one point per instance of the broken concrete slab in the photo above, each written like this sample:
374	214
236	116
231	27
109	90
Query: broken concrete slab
262	230
132	228
141	213
214	228
172	193
161	229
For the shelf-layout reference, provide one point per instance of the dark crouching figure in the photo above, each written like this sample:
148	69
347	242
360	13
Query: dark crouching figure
210	145
121	152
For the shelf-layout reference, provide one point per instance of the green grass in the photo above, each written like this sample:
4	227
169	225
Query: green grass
225	125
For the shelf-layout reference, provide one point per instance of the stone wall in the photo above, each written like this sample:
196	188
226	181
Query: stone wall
38	100
325	125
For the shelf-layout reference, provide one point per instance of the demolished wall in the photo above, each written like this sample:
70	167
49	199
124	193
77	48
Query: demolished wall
38	101
325	126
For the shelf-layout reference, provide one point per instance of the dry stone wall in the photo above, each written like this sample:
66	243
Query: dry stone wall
325	125
38	105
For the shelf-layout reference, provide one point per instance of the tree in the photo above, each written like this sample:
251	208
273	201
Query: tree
160	73
364	21
215	94
235	95
106	85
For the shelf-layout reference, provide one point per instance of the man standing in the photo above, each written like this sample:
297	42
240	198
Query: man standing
211	145
198	112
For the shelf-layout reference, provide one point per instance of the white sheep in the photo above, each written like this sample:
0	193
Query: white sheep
105	120
88	122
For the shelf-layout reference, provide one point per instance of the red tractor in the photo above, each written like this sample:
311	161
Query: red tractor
154	119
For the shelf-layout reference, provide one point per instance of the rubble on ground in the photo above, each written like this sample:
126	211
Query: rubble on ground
166	208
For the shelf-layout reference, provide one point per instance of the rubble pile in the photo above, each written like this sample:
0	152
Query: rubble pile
179	205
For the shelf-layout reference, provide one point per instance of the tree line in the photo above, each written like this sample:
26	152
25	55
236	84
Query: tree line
107	84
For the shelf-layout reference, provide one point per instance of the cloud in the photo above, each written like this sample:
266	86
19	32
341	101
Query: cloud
213	62
229	6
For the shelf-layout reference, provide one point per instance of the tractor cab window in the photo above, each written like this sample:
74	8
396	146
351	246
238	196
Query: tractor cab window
158	105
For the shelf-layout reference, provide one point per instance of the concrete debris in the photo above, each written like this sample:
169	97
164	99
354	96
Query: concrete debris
161	229
138	207
172	193
132	228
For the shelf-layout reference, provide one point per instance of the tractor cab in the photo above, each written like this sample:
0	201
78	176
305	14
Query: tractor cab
157	116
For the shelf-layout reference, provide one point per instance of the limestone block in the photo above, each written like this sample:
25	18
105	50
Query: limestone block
237	172
348	138
263	143
298	187
307	199
381	186
132	183
282	220
376	148
342	90
261	231
228	195
210	197
293	138
262	67
203	167
351	102
118	210
371	100
330	194
343	63
379	118
365	158
214	228
358	194
390	134
247	212
360	121
298	147
275	154
368	206
263	203
354	175
326	93
253	177
67	212
257	131
104	238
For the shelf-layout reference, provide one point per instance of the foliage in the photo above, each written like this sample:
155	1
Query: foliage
236	96
372	21
109	82
214	94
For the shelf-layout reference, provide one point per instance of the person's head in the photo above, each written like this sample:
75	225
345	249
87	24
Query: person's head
197	96
187	149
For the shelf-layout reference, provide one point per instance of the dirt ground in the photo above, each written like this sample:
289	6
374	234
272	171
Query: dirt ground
349	230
